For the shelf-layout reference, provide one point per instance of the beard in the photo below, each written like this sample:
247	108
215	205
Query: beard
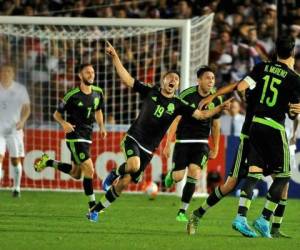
86	82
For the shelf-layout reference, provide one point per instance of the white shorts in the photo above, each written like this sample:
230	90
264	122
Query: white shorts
14	144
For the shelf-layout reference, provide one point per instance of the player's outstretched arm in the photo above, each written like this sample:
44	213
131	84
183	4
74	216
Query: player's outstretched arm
205	114
126	78
221	91
171	136
100	122
67	127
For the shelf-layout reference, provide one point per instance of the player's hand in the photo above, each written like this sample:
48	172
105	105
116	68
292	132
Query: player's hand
213	154
103	133
204	102
293	140
167	151
110	50
68	127
20	125
227	103
294	108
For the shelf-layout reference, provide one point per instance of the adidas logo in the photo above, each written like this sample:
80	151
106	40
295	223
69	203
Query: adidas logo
80	104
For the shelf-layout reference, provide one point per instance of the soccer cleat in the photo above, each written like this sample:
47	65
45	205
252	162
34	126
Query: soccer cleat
192	224
276	233
109	180
16	194
262	226
169	180
240	224
182	217
41	164
92	216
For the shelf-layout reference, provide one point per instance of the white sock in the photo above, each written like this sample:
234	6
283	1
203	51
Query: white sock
17	177
185	206
92	197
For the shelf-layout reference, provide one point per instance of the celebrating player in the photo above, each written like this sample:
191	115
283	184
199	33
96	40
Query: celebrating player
83	105
159	109
191	148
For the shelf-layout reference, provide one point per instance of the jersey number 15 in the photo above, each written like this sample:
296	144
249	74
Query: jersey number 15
270	92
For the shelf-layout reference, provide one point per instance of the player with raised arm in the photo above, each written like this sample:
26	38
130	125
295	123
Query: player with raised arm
240	167
191	149
83	106
14	112
159	109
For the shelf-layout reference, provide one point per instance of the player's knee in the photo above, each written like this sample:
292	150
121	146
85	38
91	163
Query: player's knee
133	164
178	175
194	171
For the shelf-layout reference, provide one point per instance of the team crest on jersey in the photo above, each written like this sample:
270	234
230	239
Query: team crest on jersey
129	152
96	102
81	156
171	108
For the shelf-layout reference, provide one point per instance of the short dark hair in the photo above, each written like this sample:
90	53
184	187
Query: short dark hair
285	46
203	69
171	72
82	66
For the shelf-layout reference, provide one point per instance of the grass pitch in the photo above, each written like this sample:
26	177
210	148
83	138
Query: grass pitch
54	220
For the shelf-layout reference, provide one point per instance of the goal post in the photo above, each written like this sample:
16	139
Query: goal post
46	52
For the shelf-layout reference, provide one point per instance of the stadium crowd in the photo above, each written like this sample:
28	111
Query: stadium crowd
243	34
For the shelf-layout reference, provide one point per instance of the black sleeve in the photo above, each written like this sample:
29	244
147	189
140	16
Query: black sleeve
184	109
101	102
217	101
142	88
62	106
255	73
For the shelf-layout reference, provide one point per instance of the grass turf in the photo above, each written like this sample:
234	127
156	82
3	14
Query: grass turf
54	220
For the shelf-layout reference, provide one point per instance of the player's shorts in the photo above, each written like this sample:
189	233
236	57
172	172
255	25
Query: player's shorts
80	151
185	154
240	166
14	143
132	148
268	147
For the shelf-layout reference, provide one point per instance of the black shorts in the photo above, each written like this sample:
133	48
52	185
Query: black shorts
189	153
131	148
80	151
269	148
240	166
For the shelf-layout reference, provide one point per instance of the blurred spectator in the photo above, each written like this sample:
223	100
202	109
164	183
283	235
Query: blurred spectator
231	123
224	72
184	9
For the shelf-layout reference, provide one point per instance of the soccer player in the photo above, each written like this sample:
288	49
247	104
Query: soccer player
14	112
83	106
274	86
191	148
159	109
240	166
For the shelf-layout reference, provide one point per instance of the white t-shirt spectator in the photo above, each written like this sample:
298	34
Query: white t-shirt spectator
12	100
232	125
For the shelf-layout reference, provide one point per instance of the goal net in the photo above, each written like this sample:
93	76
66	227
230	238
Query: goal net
46	52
